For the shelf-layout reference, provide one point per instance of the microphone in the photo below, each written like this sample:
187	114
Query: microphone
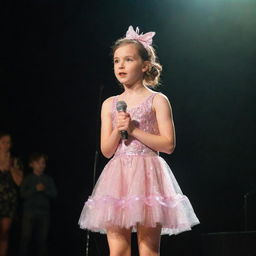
121	106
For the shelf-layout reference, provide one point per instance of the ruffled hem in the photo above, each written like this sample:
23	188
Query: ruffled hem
136	190
169	202
101	213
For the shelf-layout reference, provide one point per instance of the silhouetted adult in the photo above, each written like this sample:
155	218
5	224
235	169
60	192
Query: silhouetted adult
10	178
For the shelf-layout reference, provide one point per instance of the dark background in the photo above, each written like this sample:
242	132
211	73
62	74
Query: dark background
55	59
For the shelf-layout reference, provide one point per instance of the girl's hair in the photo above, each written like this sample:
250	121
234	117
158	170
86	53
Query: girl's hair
4	134
151	76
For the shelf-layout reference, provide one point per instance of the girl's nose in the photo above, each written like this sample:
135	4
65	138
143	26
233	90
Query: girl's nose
121	65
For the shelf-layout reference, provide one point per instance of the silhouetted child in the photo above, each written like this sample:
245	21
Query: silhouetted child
36	190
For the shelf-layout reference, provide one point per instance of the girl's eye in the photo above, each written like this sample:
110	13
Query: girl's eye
129	59
115	61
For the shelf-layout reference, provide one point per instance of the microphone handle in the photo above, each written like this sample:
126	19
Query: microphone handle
124	135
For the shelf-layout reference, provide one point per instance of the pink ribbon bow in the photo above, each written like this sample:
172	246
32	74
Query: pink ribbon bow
145	39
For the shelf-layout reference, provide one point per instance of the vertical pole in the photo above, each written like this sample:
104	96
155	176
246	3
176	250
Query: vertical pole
246	212
96	156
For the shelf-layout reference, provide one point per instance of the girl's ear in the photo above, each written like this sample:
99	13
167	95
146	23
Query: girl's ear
146	66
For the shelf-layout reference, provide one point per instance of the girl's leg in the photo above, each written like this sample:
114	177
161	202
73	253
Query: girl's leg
149	240
5	224
119	241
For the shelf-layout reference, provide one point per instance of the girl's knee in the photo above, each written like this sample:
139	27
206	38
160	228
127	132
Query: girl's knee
149	240
120	254
120	251
119	241
147	249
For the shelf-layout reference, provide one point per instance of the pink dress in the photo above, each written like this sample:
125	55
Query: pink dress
137	186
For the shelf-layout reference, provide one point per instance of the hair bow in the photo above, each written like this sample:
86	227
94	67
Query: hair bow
145	39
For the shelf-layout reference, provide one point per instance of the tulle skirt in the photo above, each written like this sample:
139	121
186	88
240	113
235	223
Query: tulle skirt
136	190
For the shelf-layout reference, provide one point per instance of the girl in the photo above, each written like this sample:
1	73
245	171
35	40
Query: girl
137	190
10	177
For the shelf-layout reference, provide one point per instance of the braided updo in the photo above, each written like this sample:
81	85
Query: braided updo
152	75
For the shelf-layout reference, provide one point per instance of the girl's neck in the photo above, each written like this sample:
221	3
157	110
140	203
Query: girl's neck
138	88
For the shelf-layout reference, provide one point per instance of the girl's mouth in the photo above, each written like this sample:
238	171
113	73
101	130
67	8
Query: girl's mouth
122	74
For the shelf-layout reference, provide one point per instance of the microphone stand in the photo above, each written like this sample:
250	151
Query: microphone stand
96	157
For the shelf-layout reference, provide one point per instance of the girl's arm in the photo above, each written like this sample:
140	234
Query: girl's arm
110	136
165	141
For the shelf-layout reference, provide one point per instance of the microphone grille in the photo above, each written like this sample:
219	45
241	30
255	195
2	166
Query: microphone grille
121	106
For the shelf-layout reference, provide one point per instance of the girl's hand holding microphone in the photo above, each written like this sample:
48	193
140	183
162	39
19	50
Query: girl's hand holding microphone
124	122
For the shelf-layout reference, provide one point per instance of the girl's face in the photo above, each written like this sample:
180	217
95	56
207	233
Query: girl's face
129	67
5	144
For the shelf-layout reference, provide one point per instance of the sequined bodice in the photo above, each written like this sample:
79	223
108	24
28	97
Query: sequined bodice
142	117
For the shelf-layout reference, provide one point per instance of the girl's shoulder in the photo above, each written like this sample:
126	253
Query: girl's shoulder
161	101
160	97
109	99
109	103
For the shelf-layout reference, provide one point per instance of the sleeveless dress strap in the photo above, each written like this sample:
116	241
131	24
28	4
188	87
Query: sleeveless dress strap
151	98
114	103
